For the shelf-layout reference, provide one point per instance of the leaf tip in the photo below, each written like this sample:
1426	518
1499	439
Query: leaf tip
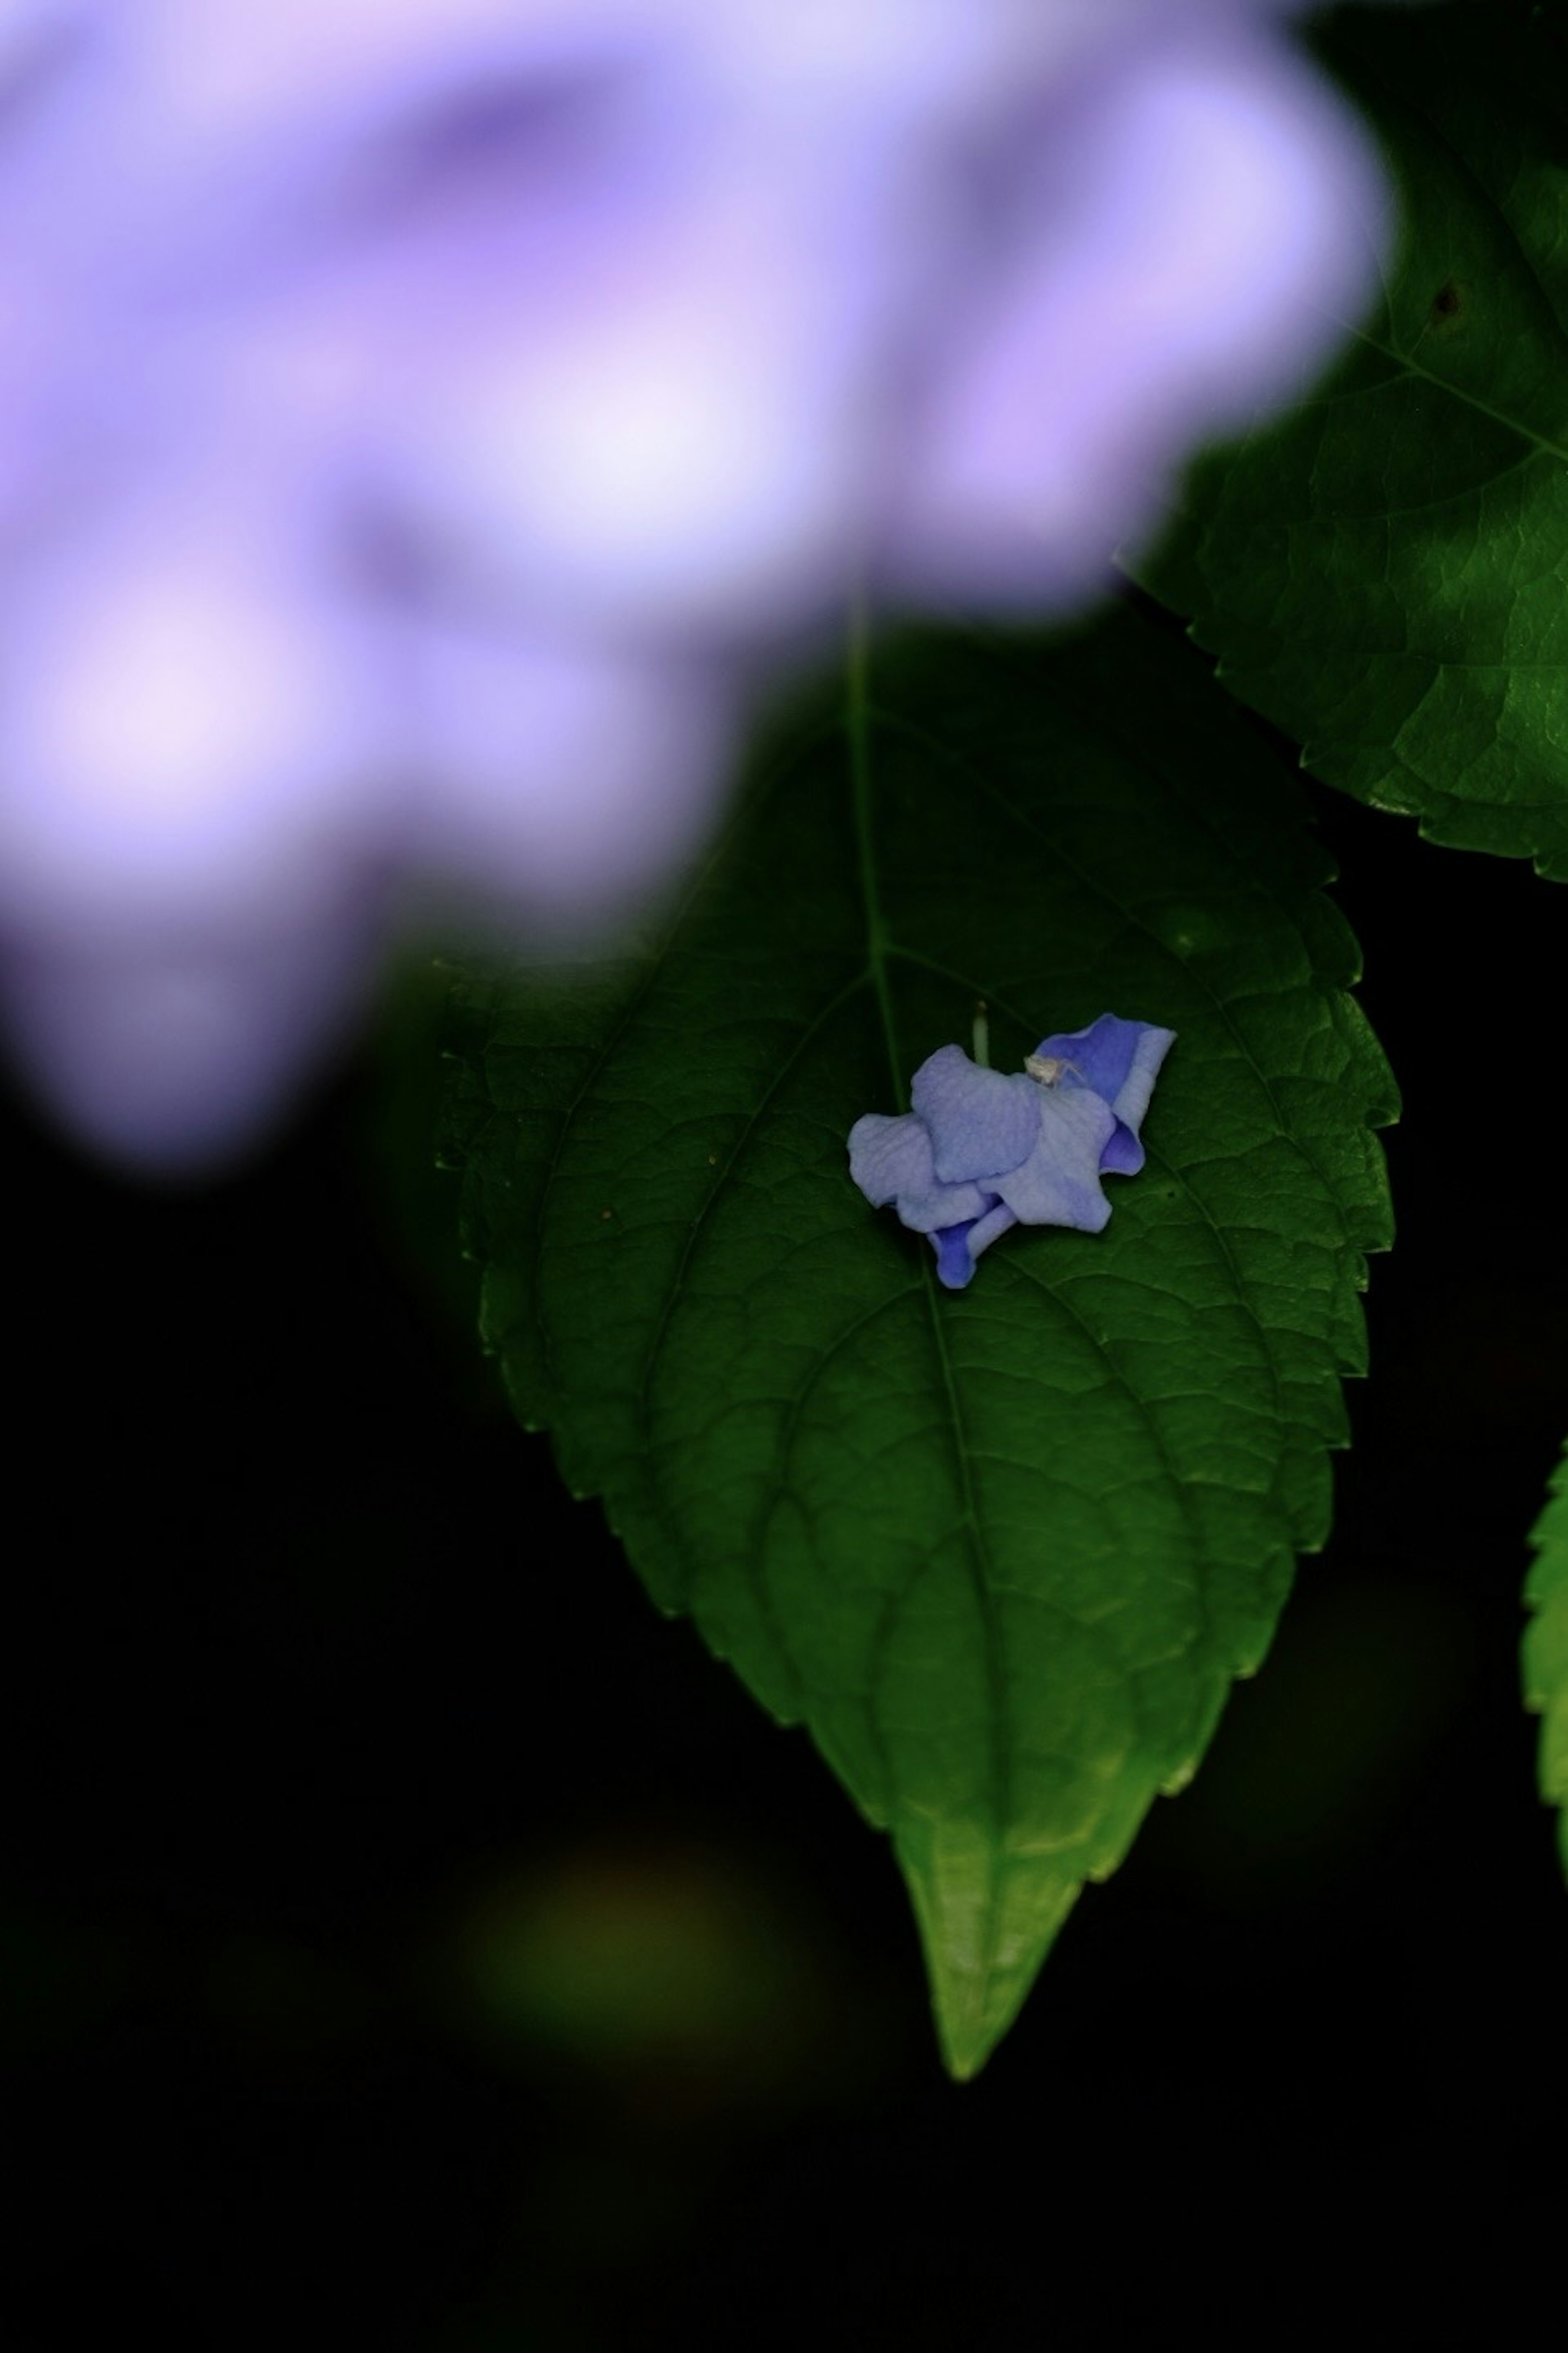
987	1919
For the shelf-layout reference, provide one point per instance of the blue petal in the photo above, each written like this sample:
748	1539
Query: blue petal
998	1220
1058	1185
953	1263
887	1157
1118	1061
958	1247
981	1122
890	1160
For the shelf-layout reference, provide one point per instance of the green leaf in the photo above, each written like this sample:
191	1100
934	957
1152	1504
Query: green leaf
1384	575
1546	1646
1001	1551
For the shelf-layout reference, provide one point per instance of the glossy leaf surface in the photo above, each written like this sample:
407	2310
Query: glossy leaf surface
1384	575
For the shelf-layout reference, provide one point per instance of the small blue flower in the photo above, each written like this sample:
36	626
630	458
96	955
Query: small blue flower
982	1150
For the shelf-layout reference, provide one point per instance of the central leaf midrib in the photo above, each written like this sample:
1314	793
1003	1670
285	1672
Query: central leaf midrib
857	715
975	1551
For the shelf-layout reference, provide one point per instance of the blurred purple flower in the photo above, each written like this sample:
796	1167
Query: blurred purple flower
984	1150
424	424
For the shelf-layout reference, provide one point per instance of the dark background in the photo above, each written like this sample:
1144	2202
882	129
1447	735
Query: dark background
407	1934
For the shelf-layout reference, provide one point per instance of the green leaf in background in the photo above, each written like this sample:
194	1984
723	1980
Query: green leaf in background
1546	1647
1384	575
1001	1551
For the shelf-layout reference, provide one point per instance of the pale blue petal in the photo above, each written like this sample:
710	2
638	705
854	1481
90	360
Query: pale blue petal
981	1122
1058	1185
954	1265
943	1204
958	1247
998	1219
1123	1156
887	1157
1119	1061
890	1160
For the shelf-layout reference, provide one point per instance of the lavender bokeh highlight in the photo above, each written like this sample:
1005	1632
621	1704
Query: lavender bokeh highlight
427	426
